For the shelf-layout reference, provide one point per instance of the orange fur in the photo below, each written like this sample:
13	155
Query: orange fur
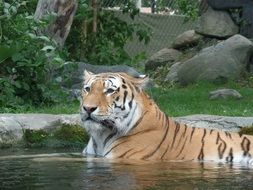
154	136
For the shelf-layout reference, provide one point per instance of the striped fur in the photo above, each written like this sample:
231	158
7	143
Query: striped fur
126	123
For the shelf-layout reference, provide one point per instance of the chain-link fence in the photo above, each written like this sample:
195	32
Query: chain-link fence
164	29
163	17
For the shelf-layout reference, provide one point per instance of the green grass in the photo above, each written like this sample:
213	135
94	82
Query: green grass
193	99
177	101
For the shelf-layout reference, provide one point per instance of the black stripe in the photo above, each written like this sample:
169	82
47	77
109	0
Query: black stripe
245	146
94	145
131	87
124	86
218	137
124	98
112	83
222	146
109	137
122	155
122	108
175	133
168	126
159	145
228	134
135	153
140	120
230	156
182	135
185	129
115	147
131	101
182	148
193	130
201	153
135	107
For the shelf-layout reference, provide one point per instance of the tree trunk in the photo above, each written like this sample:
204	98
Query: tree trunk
60	27
95	15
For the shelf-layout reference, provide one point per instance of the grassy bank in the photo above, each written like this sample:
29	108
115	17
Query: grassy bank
193	99
175	101
179	101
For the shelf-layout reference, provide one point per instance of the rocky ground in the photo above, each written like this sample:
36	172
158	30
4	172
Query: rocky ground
12	126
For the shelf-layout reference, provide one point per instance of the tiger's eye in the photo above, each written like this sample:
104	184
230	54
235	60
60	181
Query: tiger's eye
87	89
109	91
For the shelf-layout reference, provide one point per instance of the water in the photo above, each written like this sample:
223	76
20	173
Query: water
47	169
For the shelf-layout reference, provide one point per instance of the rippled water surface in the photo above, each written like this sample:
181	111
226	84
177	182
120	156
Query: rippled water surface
35	169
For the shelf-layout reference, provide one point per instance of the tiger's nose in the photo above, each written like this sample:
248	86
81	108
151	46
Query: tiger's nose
89	110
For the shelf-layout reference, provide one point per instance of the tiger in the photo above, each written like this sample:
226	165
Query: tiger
123	122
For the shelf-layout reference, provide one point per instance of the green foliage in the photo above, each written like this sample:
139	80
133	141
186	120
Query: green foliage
106	46
71	134
27	58
34	136
66	136
189	8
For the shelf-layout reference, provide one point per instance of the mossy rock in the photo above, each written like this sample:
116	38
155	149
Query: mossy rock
67	135
246	130
72	134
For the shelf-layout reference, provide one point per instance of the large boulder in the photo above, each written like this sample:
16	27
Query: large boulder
161	58
172	74
186	39
224	61
216	24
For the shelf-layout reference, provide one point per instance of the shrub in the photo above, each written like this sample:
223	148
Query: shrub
106	46
27	58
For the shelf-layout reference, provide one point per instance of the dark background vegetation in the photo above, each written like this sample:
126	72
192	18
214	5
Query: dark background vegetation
29	59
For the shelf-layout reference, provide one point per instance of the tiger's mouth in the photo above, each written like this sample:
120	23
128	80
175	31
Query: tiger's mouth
106	123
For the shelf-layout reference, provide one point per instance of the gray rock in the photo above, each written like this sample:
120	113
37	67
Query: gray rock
185	39
224	123
172	74
224	61
224	93
216	24
12	125
161	58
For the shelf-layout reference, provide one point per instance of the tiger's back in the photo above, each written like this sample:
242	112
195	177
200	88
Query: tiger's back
126	123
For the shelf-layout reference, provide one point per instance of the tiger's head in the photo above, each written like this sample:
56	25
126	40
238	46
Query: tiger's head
111	102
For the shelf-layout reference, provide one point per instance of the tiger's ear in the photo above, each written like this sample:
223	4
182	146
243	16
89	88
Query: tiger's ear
141	81
87	74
